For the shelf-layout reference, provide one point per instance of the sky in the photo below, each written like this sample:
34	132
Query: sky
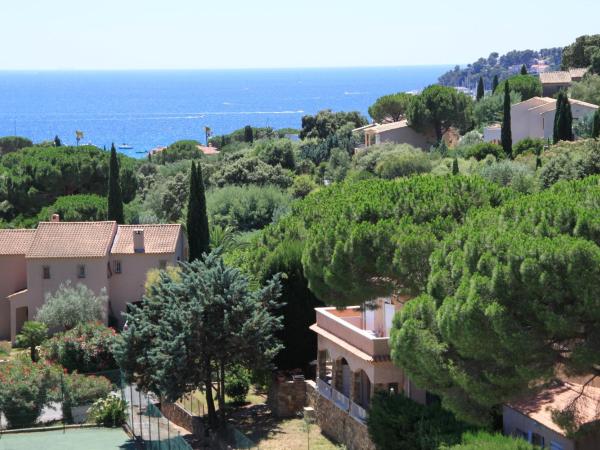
202	34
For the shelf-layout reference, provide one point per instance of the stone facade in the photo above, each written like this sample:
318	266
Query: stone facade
337	424
287	398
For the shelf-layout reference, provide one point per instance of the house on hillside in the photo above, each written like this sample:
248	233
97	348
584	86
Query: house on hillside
552	82
531	418
534	118
394	133
353	357
100	255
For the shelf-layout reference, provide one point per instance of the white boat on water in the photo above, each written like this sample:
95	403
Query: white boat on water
125	147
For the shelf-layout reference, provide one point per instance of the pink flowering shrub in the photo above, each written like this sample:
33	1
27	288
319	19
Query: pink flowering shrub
85	348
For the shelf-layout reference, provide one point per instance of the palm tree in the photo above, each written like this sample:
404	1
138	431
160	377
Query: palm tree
225	237
32	335
78	136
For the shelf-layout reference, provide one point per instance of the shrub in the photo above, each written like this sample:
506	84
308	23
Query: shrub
510	173
31	336
70	306
76	208
403	165
109	411
10	144
245	208
24	390
398	423
471	138
527	85
83	389
276	152
486	441
178	151
303	185
85	348
251	170
480	151
529	145
237	383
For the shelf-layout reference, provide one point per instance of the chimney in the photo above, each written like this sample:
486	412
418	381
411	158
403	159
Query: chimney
138	240
55	218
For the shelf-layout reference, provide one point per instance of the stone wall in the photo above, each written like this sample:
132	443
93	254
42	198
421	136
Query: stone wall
182	417
337	424
287	398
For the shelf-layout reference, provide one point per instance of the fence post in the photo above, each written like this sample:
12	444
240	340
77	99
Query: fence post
140	414
169	432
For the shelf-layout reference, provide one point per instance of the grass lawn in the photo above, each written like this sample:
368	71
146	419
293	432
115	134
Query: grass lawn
73	439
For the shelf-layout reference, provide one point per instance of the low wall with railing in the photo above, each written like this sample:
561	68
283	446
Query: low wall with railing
183	418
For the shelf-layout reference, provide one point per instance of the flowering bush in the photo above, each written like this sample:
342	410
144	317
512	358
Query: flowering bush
85	348
25	387
82	389
109	411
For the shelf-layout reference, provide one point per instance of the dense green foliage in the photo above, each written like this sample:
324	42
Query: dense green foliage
587	90
251	170
490	109
237	383
514	290
115	195
398	423
9	144
276	152
177	151
438	108
495	66
85	348
581	52
110	411
325	123
390	107
482	150
527	86
75	208
202	318
35	177
246	208
480	89
487	441
82	390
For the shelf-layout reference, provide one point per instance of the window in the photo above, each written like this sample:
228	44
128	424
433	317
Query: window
537	439
522	434
117	266
81	271
162	264
46	272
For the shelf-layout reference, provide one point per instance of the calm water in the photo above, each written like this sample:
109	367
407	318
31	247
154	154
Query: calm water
147	109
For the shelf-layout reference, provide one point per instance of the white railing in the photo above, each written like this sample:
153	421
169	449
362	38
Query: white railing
340	400
324	388
358	412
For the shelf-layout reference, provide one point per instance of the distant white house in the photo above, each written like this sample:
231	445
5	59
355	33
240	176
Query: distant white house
534	118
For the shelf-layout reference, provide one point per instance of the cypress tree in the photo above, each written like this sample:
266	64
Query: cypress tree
115	196
563	119
57	141
596	125
197	220
248	134
495	83
523	69
455	170
480	89
506	132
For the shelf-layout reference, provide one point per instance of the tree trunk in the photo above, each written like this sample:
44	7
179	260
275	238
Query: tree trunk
222	391
210	403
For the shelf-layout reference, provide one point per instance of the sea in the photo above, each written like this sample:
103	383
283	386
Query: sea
147	109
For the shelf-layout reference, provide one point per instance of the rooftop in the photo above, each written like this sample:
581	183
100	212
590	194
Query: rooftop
555	77
380	128
539	407
15	242
208	150
158	239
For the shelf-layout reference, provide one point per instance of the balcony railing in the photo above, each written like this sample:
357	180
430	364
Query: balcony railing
340	400
324	388
329	320
358	412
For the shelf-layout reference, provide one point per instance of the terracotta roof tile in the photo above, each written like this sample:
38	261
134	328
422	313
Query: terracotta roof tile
15	242
157	238
72	240
539	407
555	77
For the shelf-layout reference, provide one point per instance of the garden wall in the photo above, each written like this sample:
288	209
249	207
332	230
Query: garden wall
287	398
183	418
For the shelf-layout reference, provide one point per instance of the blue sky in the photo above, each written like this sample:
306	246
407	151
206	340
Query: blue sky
196	34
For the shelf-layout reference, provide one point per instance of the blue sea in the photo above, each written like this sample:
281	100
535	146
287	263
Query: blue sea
146	109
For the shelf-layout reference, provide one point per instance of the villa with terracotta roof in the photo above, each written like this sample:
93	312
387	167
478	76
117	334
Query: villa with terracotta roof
552	82
534	118
101	255
394	133
531	417
353	356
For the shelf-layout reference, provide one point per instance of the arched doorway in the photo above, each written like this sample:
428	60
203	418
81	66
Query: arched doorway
342	377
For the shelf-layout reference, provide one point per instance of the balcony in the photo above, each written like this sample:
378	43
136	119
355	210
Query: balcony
347	329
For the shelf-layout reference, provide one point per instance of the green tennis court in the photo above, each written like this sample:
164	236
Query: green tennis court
71	439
